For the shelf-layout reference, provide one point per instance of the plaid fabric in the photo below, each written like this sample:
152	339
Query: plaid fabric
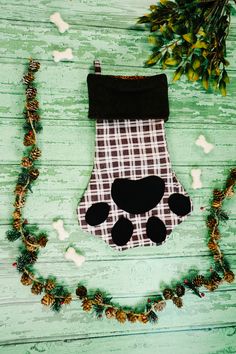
129	149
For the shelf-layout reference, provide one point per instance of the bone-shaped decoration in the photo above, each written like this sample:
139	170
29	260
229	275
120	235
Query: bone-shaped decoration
59	227
196	174
65	55
201	141
71	255
58	21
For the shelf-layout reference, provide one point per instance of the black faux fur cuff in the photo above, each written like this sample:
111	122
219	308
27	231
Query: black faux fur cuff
128	97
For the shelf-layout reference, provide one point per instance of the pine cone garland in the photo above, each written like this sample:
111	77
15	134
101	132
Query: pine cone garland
177	301
180	290
121	316
19	203
34	65
28	78
110	312
87	305
168	294
26	162
81	292
50	284
198	281
48	300
229	276
34	173
216	204
31	93
35	153
159	306
37	288
26	279
212	245
132	317
32	105
218	194
29	138
98	298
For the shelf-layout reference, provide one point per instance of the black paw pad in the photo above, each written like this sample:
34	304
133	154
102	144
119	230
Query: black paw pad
97	213
122	231
179	204
137	197
156	230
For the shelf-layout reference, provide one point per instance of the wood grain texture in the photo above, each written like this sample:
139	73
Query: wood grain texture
106	29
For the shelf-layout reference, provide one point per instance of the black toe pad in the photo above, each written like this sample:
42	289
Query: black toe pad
156	230
122	231
97	213
179	204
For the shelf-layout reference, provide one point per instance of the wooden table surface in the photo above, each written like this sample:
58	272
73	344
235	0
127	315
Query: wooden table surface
105	30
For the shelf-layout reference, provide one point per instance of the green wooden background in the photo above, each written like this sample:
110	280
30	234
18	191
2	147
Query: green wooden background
105	30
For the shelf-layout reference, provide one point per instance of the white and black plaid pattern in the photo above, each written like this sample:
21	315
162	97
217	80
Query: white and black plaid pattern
129	149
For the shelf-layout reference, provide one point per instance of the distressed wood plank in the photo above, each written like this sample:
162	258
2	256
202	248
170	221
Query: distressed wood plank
217	340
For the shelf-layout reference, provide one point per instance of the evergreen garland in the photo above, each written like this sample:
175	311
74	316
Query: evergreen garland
54	294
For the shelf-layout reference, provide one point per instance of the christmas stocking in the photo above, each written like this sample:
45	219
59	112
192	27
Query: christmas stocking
133	197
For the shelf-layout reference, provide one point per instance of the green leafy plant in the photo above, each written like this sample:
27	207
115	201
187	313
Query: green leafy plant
190	35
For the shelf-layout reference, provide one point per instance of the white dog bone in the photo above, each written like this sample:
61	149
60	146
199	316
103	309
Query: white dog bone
58	21
201	141
196	173
59	227
65	55
71	255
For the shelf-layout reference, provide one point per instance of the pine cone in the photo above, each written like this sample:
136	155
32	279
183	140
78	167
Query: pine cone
216	204
32	105
211	222
132	317
34	173
19	189
26	279
67	300
121	316
180	290
16	215
29	138
19	203
48	300
32	116
30	246
211	286
37	288
31	93
17	224
110	312
229	276
215	277
33	257
168	294
87	305
233	173
98	298
215	235
177	301
160	305
50	284
212	245
26	162
143	318
81	292
28	78
198	281
43	241
34	65
218	195
35	153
